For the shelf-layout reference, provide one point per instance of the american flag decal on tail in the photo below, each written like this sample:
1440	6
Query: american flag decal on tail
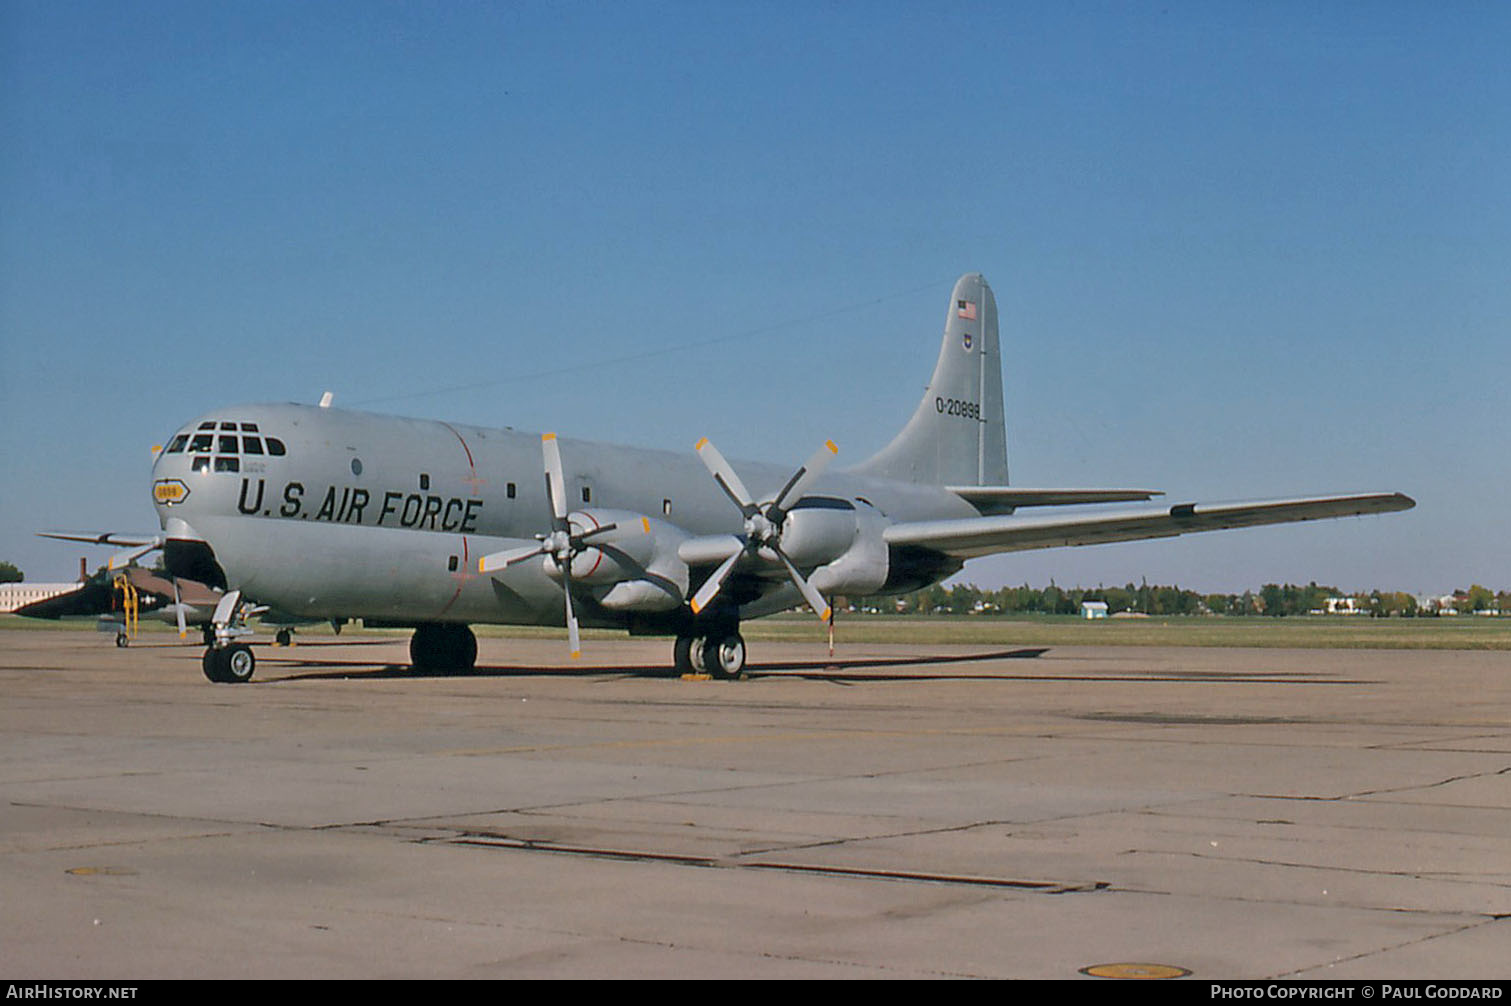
965	309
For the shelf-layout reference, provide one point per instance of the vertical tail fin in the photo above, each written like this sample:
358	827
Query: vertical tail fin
957	435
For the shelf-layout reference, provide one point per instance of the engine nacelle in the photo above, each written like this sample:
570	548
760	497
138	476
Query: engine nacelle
862	567
634	566
819	529
841	540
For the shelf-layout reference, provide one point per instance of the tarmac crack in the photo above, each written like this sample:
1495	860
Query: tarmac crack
711	862
1366	954
1447	878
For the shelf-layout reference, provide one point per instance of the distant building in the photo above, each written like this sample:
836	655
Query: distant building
14	595
1093	609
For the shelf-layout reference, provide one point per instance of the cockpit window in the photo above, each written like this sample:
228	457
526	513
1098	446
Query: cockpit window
236	438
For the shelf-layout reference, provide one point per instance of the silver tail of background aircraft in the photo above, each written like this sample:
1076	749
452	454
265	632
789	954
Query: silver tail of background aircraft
957	435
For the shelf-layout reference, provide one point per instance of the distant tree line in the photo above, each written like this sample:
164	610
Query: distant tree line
1273	600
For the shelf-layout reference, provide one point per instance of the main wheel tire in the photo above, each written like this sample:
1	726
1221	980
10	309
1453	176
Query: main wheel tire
682	655
724	656
121	640
210	663
284	638
439	647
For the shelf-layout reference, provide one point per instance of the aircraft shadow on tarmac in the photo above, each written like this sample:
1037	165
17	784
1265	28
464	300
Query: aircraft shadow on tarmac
860	670
841	670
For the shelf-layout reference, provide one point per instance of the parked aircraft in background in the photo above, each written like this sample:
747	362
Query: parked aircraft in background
328	513
122	592
130	592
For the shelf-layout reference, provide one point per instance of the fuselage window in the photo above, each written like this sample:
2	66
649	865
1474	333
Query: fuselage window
451	564
275	447
228	464
227	445
424	481
251	445
178	443
587	494
201	464
509	490
666	507
202	442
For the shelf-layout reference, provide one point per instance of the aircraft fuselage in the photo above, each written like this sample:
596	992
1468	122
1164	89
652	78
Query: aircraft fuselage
323	512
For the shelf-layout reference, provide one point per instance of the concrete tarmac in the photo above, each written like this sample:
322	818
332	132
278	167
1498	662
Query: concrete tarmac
899	812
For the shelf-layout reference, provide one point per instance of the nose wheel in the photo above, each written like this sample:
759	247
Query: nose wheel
229	665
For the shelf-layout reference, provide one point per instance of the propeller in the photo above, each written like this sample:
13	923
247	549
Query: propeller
763	521
562	544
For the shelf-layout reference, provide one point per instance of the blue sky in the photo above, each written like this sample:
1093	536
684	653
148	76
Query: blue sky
1241	250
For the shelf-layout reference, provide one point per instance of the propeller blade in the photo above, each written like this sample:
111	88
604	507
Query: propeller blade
556	480
498	560
810	592
178	603
710	588
605	529
804	477
574	642
725	476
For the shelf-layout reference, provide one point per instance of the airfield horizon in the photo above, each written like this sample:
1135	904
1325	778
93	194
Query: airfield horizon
1462	632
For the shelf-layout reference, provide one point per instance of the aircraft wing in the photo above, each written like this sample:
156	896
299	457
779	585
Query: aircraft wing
976	536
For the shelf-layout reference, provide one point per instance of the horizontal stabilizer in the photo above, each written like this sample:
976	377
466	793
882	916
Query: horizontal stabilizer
976	536
105	537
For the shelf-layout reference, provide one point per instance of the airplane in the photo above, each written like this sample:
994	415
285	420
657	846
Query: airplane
329	513
172	600
181	602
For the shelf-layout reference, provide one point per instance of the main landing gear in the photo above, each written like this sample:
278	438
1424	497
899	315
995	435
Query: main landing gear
720	654
442	646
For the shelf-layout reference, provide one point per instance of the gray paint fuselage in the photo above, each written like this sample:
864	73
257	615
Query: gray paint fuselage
385	517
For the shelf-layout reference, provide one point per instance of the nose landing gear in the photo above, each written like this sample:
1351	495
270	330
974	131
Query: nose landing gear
226	661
